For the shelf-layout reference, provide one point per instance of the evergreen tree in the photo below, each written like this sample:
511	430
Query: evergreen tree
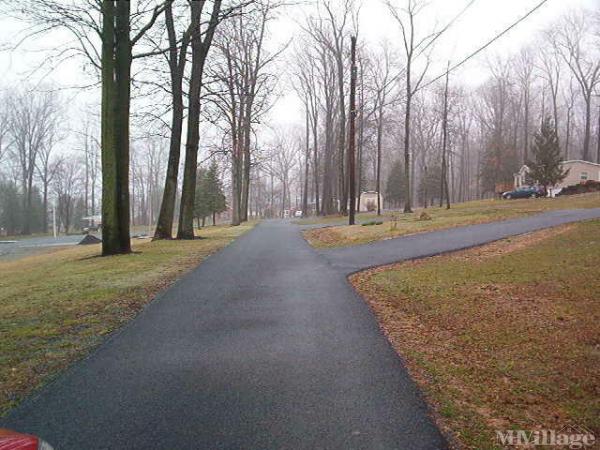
545	168
429	185
209	199
201	199
217	200
11	205
394	190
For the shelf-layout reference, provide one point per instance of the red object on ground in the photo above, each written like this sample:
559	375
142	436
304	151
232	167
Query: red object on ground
11	440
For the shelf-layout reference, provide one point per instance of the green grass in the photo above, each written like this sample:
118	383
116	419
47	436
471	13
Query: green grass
481	211
57	306
502	336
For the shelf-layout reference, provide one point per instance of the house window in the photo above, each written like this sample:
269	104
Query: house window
584	176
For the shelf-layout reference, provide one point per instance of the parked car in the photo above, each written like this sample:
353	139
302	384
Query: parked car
92	228
524	192
298	213
18	441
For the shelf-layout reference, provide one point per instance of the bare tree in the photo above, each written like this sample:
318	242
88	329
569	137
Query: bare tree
200	43
414	47
176	59
307	87
33	120
67	179
335	42
118	29
47	167
383	80
551	70
573	44
4	128
524	67
284	160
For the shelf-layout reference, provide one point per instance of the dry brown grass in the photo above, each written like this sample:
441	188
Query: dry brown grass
481	211
502	336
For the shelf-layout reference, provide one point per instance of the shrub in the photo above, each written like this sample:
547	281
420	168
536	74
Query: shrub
372	222
582	188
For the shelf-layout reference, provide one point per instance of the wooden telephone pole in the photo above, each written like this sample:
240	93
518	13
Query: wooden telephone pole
444	177
352	136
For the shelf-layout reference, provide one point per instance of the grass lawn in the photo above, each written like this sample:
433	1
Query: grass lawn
55	307
504	336
481	211
336	219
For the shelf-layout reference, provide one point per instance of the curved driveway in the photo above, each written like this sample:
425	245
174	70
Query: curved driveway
263	346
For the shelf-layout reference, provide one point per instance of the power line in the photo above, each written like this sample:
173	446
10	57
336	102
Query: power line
488	43
448	25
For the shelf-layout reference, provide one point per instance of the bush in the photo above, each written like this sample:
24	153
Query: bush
372	222
582	188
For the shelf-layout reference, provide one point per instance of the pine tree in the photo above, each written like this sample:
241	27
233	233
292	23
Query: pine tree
394	192
209	199
217	201
201	199
546	168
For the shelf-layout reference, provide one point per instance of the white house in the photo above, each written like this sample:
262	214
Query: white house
579	172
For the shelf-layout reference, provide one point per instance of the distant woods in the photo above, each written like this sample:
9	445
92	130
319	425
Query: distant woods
182	133
424	138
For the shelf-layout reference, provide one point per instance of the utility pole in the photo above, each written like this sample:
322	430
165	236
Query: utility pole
352	134
54	218
444	180
598	151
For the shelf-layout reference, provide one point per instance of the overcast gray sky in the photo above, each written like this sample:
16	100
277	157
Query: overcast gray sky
483	20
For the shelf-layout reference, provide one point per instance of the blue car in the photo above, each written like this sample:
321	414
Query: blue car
524	192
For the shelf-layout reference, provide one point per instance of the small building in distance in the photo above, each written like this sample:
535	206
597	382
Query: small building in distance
368	201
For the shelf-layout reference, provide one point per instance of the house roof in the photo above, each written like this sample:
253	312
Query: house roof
581	161
525	168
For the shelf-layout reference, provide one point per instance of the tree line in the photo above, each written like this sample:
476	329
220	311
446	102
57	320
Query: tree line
421	137
425	138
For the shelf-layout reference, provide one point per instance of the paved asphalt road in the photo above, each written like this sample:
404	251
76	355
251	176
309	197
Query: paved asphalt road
353	259
263	346
11	250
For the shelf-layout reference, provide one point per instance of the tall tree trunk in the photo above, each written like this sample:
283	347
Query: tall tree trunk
316	164
306	164
407	193
246	175
200	49
185	228
378	162
587	131
526	129
598	136
235	183
361	127
343	197
444	178
123	83
45	202
115	239
177	60
352	135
